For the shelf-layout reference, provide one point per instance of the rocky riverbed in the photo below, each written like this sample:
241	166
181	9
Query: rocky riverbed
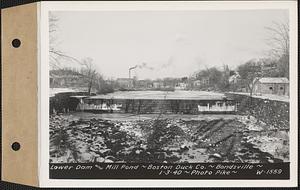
165	139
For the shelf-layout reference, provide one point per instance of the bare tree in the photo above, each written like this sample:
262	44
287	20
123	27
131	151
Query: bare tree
56	56
279	42
250	72
58	59
89	73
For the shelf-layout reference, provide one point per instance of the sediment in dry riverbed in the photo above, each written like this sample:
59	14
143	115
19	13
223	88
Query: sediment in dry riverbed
164	140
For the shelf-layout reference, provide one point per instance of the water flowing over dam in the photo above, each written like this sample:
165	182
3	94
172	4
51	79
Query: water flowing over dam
185	102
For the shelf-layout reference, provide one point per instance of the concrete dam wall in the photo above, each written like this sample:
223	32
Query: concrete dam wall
141	102
275	113
142	106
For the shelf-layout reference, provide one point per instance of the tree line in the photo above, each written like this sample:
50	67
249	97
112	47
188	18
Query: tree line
276	64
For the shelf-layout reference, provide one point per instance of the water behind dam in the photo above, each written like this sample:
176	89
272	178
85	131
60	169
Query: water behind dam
160	95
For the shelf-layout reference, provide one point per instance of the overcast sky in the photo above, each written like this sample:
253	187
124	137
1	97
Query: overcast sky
171	43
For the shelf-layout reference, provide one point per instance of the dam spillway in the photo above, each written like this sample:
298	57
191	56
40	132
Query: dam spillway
141	102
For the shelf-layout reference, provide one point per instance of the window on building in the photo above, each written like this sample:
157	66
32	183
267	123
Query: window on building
229	103
203	104
219	104
271	88
281	88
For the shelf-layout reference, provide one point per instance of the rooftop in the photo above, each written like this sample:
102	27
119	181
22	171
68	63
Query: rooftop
274	80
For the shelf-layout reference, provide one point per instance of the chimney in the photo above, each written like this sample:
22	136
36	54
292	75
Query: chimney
129	73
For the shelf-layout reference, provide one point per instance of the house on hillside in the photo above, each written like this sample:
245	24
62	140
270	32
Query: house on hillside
234	78
65	80
268	85
205	81
202	82
197	83
181	86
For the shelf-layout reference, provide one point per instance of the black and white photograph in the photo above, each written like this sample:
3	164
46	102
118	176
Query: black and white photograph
177	86
150	94
169	86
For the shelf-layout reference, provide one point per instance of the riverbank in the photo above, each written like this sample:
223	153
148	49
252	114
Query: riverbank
84	137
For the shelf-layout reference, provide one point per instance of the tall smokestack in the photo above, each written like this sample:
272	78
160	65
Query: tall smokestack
131	69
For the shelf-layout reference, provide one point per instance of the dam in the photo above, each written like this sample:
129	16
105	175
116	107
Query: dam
142	102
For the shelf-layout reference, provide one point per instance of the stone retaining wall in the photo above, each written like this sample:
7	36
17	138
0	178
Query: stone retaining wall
272	112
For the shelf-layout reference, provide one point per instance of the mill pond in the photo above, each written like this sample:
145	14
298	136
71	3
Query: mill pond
161	127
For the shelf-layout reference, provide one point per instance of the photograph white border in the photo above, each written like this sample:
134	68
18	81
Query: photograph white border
44	9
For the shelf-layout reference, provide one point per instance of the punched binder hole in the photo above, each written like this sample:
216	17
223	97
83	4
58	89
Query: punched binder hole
16	43
16	146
